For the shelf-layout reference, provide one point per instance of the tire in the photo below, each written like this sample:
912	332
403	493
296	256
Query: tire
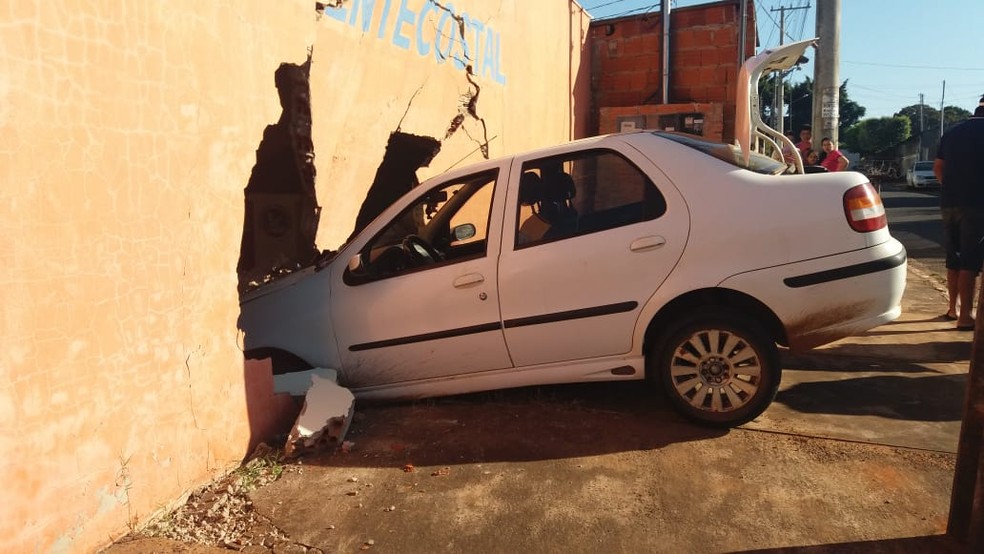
717	368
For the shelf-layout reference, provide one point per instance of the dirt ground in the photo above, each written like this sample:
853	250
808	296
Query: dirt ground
586	469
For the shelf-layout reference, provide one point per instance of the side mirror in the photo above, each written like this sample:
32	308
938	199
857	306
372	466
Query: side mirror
463	232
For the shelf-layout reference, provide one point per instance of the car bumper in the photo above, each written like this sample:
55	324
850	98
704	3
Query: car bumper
822	300
925	183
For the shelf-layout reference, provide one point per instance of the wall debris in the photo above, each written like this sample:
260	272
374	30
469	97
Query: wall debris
324	419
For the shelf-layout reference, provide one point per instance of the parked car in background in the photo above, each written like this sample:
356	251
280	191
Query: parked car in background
921	175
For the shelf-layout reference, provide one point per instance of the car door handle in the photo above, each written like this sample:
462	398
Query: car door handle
647	243
468	279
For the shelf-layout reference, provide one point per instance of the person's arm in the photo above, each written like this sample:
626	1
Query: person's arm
842	163
938	169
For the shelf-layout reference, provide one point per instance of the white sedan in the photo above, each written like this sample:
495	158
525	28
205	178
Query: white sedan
645	255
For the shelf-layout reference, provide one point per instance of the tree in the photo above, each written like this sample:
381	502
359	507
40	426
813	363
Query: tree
767	95
850	112
876	134
931	116
800	106
800	100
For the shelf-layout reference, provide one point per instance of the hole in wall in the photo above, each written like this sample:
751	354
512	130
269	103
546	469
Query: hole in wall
282	211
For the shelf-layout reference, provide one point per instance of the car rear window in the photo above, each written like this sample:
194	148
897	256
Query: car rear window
727	153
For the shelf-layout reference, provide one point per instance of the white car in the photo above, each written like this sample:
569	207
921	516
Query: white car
921	175
645	255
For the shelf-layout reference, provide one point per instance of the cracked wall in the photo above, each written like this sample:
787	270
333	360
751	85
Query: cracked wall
129	135
282	211
483	78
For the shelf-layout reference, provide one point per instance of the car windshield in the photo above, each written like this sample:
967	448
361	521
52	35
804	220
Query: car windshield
729	153
924	166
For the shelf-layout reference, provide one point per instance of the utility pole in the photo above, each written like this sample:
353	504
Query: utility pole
779	102
826	85
920	155
665	19
942	96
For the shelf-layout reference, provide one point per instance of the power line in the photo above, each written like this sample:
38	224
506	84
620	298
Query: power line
944	68
605	4
633	10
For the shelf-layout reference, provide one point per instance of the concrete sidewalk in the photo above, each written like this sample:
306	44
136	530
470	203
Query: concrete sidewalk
856	455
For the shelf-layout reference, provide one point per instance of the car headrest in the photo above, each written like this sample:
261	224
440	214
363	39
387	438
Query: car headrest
530	188
558	187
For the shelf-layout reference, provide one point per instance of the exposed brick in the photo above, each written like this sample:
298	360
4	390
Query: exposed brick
685	58
638	81
686	76
684	39
709	76
623	81
703	37
716	93
684	18
715	15
652	43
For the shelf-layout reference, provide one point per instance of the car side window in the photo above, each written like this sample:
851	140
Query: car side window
580	193
447	224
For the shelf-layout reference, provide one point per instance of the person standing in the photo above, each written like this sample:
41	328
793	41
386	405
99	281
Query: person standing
788	150
833	160
806	140
959	167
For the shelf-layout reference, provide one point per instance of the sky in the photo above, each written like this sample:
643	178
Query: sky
890	50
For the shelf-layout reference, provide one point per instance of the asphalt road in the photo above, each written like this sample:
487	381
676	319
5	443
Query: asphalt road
914	219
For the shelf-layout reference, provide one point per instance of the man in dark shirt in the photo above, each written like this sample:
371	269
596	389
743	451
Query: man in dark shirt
959	167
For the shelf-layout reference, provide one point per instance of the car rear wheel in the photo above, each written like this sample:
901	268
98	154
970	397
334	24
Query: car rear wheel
716	368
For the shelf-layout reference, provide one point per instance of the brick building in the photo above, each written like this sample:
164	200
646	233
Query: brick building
626	69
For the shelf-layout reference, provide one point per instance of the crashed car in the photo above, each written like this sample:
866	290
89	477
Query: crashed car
644	255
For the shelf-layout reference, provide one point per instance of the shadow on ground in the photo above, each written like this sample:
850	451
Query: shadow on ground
937	544
927	398
527	424
893	354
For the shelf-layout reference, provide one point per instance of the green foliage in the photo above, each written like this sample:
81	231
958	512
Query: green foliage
800	99
799	104
876	134
931	116
850	111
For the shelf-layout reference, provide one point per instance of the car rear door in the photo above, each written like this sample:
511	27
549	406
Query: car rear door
575	290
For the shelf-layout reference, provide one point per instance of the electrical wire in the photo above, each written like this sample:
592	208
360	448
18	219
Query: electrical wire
943	68
633	10
605	4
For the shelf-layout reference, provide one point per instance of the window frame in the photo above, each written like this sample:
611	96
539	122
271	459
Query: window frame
573	156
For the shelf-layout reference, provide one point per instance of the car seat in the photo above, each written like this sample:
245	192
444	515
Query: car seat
557	204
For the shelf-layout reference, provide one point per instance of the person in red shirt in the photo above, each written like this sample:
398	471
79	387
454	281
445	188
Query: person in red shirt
806	140
834	160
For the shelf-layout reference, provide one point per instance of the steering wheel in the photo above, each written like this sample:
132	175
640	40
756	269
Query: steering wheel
419	251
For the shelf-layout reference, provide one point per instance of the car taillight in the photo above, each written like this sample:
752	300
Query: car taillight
864	209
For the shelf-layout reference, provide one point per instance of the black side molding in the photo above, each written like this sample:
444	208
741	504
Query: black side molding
484	328
846	272
496	326
572	314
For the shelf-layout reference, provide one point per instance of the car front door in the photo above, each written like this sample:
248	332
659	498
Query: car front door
588	238
420	301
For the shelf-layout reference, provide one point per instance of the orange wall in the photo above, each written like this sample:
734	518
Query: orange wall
130	130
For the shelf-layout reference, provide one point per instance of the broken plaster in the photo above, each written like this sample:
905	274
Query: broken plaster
324	419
